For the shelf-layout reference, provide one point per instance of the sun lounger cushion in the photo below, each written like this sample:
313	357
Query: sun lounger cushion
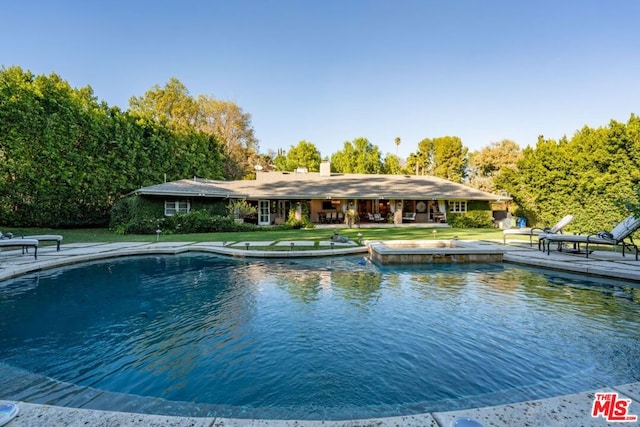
21	243
47	238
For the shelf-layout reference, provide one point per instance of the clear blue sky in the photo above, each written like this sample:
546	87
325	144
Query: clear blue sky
334	70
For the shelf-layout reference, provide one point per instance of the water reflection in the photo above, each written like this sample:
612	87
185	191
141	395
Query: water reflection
358	287
436	285
303	286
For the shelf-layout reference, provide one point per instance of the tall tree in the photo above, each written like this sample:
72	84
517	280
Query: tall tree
391	165
397	140
171	104
444	157
421	162
489	160
449	158
267	160
280	160
232	128
536	176
586	176
305	155
487	163
359	156
224	120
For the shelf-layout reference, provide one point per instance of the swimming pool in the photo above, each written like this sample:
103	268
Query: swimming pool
330	338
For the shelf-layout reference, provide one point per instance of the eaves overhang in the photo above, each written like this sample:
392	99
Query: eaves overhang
229	195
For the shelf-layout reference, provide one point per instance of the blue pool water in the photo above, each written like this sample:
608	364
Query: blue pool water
309	339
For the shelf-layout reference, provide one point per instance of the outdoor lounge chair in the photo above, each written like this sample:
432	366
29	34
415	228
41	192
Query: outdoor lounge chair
557	228
409	216
46	238
21	243
620	235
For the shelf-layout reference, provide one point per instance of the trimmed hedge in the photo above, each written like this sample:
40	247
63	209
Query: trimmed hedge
137	215
65	157
472	219
193	222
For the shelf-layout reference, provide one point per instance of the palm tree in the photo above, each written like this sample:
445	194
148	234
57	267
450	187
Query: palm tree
397	141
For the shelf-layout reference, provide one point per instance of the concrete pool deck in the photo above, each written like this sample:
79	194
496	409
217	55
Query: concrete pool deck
567	410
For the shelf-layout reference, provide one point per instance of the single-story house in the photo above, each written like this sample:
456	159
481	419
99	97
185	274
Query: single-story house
332	197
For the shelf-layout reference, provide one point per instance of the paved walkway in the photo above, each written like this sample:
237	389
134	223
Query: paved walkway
570	410
608	263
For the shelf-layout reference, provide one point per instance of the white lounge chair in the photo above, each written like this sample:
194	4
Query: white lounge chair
620	235
409	216
557	228
21	243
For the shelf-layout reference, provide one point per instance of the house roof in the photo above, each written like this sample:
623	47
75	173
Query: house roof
195	187
283	185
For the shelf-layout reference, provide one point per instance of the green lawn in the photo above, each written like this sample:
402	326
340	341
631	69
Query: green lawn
316	234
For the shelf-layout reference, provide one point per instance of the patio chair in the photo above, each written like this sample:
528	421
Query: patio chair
557	228
620	235
439	217
409	216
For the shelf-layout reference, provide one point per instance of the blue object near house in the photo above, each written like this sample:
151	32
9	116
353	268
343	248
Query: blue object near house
521	222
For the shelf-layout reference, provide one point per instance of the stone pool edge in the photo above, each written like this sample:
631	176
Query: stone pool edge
572	409
50	260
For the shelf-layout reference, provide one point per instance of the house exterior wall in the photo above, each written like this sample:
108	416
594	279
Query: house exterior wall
395	208
213	206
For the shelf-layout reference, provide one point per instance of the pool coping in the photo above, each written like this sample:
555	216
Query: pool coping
566	410
572	409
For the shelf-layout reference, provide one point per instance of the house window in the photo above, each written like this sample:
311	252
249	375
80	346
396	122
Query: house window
172	207
459	206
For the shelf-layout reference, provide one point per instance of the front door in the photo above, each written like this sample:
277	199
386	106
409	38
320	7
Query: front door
264	217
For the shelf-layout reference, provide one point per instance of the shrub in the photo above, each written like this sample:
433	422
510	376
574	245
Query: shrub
204	222
136	215
134	209
472	219
296	224
241	209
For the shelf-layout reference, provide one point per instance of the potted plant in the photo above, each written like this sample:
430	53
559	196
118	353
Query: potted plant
241	209
351	217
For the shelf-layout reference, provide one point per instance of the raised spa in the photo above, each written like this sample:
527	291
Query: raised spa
433	251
